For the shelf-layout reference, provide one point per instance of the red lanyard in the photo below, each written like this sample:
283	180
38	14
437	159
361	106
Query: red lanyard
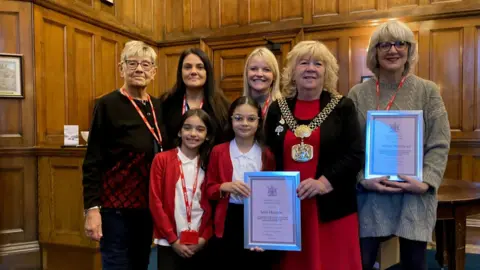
185	105
393	97
265	106
159	137
188	206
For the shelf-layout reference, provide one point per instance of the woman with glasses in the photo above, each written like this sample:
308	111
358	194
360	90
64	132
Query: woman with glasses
124	137
194	89
314	130
405	209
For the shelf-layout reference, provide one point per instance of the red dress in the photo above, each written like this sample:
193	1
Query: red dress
325	246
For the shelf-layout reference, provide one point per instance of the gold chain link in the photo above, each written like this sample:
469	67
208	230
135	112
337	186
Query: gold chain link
316	122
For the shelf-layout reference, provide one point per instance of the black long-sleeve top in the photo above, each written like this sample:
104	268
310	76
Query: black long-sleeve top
341	153
172	111
120	150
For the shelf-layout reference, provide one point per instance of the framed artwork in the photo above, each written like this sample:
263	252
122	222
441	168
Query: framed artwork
365	78
11	75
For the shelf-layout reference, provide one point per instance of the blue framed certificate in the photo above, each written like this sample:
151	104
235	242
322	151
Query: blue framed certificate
394	144
272	212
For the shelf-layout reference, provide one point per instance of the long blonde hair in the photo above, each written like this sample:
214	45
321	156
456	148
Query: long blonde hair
272	63
317	51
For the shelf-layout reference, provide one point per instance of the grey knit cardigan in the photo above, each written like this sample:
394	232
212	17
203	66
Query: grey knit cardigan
406	215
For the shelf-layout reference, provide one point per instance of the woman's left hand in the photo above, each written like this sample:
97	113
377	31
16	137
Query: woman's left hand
411	185
312	187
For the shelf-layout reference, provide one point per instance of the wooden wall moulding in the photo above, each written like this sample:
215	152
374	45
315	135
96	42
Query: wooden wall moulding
206	18
136	19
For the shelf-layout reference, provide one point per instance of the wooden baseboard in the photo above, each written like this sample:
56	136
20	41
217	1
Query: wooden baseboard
20	256
19	248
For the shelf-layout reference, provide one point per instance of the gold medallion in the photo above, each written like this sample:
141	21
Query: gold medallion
302	152
303	131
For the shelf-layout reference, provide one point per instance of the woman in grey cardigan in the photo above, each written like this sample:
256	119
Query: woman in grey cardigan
405	209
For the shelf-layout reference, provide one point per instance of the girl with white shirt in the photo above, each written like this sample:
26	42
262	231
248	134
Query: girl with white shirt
180	210
225	185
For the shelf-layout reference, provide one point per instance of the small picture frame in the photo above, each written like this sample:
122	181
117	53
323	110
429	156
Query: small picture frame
365	78
11	75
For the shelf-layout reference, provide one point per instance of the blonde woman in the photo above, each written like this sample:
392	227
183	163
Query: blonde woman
261	78
124	138
314	130
405	209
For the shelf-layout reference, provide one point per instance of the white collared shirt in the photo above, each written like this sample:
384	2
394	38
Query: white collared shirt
242	163
189	167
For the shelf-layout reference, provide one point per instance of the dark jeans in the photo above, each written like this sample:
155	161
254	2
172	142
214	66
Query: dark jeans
412	253
127	239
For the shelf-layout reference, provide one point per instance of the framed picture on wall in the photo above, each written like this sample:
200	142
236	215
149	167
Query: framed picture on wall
11	75
365	78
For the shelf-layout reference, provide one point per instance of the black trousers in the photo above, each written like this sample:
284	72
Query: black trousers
127	239
412	253
229	252
168	259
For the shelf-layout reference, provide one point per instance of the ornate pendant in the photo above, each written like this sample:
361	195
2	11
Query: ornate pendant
302	152
303	131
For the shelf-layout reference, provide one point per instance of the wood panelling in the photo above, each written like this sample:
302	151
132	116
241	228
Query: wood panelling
17	115
203	19
229	60
19	247
168	63
18	211
75	63
137	19
18	199
60	201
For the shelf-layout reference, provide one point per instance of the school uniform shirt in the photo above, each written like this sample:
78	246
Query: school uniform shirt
242	163
220	170
167	203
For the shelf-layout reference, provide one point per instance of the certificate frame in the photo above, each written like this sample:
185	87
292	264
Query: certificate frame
293	180
371	132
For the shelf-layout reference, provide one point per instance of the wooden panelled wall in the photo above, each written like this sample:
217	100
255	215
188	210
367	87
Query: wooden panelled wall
71	50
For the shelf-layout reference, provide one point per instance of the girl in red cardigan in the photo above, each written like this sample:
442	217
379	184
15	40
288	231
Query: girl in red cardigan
228	163
180	209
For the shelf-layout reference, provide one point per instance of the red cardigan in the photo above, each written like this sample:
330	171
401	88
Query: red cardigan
220	170
164	176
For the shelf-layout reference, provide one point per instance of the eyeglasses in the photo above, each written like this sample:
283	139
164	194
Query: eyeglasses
241	118
133	64
399	45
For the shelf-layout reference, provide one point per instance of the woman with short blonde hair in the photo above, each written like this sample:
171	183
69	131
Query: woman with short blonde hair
314	131
261	78
406	209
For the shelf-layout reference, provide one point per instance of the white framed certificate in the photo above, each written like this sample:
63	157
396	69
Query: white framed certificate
394	144
272	212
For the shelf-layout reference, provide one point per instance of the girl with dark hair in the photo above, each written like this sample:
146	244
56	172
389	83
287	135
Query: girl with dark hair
180	209
194	88
228	163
